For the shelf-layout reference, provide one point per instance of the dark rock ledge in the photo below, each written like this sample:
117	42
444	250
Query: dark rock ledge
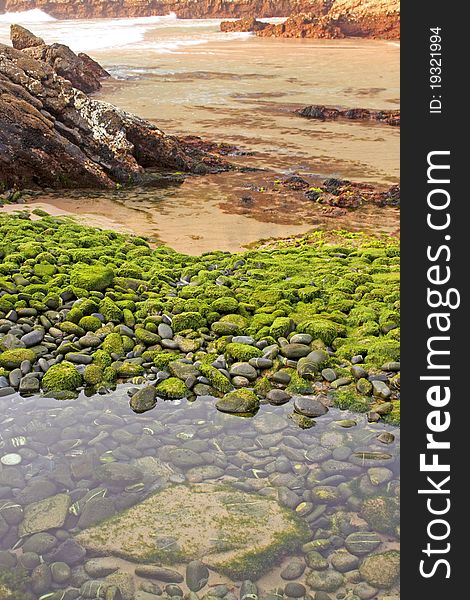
53	134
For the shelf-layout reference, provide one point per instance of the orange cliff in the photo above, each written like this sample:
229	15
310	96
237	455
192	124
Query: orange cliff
342	18
186	9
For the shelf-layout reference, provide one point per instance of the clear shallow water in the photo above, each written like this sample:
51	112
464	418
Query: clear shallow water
327	475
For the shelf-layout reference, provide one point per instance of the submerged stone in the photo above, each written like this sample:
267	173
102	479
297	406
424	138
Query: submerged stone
232	531
45	514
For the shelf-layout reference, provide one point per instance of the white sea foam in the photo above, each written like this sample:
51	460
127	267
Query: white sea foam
103	34
27	16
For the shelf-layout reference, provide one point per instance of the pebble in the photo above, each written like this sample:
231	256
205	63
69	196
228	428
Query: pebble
309	407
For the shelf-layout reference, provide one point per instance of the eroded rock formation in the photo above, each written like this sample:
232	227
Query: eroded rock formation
344	18
184	9
81	70
53	134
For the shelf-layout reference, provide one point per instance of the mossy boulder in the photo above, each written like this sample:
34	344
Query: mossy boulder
224	305
93	374
188	320
62	377
89	323
113	344
242	352
127	370
239	402
172	389
12	359
91	277
322	329
217	380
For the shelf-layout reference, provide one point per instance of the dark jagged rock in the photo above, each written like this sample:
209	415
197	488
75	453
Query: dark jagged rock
325	113
81	70
52	134
22	38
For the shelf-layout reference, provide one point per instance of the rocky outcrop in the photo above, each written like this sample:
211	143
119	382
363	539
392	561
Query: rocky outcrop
343	18
184	9
81	70
52	134
324	113
247	24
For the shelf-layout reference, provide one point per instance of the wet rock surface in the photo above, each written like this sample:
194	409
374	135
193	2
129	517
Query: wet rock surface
324	113
59	137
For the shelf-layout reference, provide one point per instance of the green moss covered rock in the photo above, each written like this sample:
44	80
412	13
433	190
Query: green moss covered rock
172	389
62	377
91	277
12	359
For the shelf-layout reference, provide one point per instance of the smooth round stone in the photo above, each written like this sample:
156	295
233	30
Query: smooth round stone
342	453
391	366
41	579
341	381
240	382
343	561
357	359
364	591
309	407
295	590
244	339
101	567
6	391
381	390
325	581
33	338
316	561
15	377
359	372
261	363
362	542
294	569
197	575
278	397
329	375
170	344
159	573
11	459
243	369
301	338
25	367
78	358
165	331
29	385
386	437
281	377
379	475
295	351
40	543
60	572
144	399
89	341
29	560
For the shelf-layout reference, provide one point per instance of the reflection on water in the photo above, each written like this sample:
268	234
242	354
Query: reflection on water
209	216
66	466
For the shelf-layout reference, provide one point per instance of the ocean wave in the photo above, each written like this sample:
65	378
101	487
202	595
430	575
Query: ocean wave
28	16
